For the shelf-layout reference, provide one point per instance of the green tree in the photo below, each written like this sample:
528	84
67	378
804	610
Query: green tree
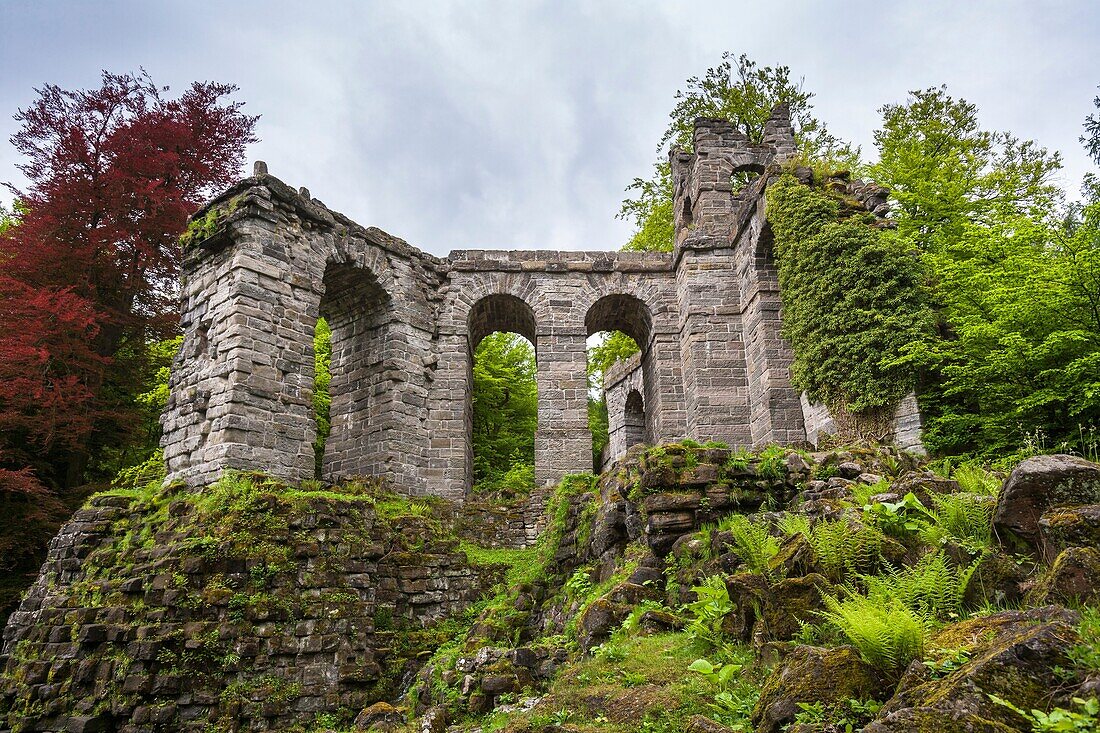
946	173
505	407
1014	276
741	91
745	93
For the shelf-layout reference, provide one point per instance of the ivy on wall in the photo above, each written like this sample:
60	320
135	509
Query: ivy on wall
852	299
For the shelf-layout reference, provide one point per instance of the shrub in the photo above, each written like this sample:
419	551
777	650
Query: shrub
963	518
710	607
933	588
844	547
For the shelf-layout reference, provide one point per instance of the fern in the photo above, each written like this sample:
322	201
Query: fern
842	547
976	480
791	524
862	493
751	542
963	518
887	634
933	588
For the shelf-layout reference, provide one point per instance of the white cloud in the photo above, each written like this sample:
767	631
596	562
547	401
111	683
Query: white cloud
518	124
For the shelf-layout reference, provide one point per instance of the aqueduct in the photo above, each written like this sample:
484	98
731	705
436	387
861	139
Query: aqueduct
269	260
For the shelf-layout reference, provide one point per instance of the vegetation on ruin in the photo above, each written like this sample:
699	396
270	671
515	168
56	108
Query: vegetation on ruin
852	301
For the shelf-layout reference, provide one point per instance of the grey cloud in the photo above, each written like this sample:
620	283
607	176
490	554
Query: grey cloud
518	124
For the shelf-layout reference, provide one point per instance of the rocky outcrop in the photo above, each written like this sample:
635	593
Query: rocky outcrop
814	674
1012	656
252	607
1038	484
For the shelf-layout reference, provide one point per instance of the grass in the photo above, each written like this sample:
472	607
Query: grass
640	683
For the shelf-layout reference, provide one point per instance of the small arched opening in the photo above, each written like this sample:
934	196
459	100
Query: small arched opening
351	406
620	331
502	399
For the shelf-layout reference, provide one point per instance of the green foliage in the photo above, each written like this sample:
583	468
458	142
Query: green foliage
615	347
1085	655
1015	280
973	479
792	523
772	462
966	519
847	716
718	673
597	425
517	480
852	302
322	399
887	634
751	541
1085	719
842	547
744	93
741	91
505	406
933	588
945	173
711	605
898	518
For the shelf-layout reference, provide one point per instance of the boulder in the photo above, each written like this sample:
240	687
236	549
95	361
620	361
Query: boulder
1012	655
997	579
1069	526
924	485
746	592
787	603
380	716
1036	485
596	623
1073	578
814	674
795	557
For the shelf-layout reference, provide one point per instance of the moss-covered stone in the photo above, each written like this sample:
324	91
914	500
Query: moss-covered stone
246	605
814	674
1069	526
1011	655
1073	578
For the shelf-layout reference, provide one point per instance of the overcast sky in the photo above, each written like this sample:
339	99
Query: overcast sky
518	124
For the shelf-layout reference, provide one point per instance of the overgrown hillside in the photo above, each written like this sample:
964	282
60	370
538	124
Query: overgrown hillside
690	588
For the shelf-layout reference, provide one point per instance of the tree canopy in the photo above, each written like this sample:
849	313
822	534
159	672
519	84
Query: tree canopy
88	263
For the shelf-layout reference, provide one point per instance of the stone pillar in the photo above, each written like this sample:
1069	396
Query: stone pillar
242	385
563	444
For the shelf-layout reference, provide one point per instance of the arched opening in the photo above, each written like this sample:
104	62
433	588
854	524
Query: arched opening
503	397
350	400
620	335
634	419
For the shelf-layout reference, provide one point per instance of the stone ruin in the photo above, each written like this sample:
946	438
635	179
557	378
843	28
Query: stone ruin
265	261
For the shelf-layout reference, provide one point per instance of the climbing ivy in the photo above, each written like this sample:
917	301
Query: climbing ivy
852	299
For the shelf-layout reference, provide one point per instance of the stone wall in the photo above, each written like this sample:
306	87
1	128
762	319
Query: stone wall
266	261
256	616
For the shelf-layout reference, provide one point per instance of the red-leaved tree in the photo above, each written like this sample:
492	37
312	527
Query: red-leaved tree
88	267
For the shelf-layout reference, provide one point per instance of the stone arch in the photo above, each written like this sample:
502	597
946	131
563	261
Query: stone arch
634	419
621	312
359	311
630	314
490	313
501	312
